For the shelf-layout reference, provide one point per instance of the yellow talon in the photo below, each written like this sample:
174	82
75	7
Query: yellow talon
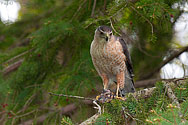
97	97
119	98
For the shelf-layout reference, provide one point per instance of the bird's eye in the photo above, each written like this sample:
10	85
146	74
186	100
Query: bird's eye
101	33
110	34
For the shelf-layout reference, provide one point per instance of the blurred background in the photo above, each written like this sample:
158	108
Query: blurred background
44	47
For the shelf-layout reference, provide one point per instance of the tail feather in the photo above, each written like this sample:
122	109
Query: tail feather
128	85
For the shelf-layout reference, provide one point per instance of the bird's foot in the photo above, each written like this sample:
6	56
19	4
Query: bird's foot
105	96
117	97
120	98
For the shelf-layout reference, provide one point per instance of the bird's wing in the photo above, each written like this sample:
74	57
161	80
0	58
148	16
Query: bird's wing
129	83
127	55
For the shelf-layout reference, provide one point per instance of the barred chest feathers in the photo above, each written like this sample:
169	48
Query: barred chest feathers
107	57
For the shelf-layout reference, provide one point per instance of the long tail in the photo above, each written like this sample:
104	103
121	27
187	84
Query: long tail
128	85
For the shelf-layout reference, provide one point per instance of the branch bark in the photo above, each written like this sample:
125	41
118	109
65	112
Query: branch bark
151	82
91	120
63	111
172	96
157	69
145	93
93	9
12	67
146	83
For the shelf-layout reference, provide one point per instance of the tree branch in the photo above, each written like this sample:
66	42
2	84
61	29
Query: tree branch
71	96
93	9
63	111
78	9
12	67
90	120
16	57
151	82
157	69
172	96
146	83
144	18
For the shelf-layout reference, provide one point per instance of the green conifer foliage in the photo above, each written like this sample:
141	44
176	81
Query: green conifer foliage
51	28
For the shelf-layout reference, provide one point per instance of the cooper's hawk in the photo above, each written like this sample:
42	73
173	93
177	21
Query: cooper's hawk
111	59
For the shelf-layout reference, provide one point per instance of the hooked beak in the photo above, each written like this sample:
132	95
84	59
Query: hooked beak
107	37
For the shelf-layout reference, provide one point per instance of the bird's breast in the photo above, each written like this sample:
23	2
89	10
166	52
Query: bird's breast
107	57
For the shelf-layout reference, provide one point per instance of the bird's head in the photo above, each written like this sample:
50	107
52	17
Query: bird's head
103	33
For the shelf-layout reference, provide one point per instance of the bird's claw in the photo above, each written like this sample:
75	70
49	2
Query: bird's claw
120	98
105	96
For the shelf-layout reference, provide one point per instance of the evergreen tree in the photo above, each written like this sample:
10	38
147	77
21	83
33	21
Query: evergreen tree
47	50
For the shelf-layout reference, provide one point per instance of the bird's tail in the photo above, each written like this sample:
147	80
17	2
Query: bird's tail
128	85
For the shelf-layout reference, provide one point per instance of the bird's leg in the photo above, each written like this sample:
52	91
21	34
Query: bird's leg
105	81
105	93
120	82
117	90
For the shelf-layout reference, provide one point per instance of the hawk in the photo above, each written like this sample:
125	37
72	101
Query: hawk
112	61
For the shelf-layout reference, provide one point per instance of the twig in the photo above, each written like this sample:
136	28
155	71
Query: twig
163	97
113	27
91	120
123	108
146	53
118	11
27	103
185	111
153	111
98	107
12	67
144	93
16	57
104	6
172	96
78	9
63	111
38	120
24	114
71	96
105	18
144	18
65	121
173	116
93	9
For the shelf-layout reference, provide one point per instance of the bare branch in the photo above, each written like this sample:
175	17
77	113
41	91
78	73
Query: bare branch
104	7
98	107
118	11
63	111
114	28
91	120
78	9
146	53
151	82
93	9
16	57
174	55
12	67
172	96
146	83
71	96
23	115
